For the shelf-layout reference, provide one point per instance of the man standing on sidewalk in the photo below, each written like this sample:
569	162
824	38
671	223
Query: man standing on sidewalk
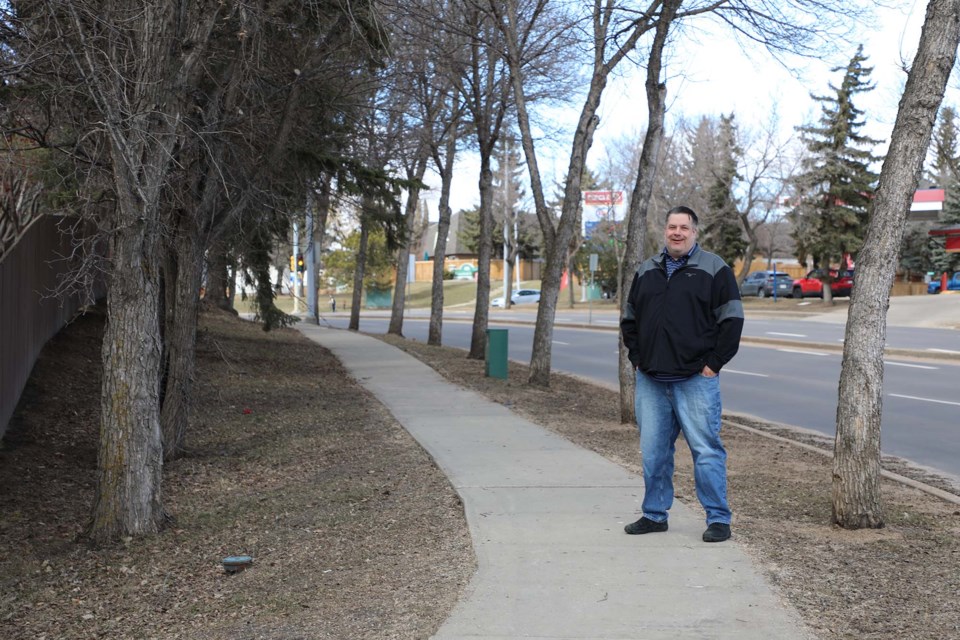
681	325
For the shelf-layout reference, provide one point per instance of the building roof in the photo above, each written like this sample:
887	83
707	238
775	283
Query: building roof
928	200
454	248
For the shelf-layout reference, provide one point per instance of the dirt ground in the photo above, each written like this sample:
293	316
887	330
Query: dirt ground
354	532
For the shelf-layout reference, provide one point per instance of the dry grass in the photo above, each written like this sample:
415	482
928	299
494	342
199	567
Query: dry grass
354	532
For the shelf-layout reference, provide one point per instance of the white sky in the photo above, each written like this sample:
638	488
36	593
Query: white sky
719	78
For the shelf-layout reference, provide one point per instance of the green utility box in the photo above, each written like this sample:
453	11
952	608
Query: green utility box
379	298
496	353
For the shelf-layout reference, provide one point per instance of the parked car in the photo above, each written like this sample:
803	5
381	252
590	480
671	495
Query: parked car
953	284
811	286
763	284
520	296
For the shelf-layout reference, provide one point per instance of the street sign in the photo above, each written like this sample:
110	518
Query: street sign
599	206
602	198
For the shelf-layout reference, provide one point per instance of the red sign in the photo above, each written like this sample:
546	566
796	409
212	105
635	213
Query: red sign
602	198
953	244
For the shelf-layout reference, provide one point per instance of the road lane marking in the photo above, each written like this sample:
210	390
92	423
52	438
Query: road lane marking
805	353
943	350
744	373
566	344
789	335
912	366
954	404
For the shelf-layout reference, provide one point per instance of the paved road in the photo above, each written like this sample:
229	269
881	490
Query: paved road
784	384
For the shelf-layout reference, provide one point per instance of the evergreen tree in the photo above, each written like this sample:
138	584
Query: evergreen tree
919	253
523	238
945	164
723	233
941	260
836	183
701	155
918	249
468	231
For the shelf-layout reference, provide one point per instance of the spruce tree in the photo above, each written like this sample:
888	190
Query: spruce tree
945	163
723	233
943	261
836	183
919	252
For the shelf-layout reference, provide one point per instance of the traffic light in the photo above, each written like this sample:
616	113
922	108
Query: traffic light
301	265
293	263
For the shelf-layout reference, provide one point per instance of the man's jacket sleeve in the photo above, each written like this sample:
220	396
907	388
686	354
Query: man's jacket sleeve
628	326
728	311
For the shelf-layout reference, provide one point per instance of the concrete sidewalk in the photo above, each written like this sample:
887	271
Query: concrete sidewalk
546	518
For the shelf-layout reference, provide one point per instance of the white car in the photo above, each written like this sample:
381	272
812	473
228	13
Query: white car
520	296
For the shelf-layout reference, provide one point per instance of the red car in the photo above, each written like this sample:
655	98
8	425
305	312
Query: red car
812	287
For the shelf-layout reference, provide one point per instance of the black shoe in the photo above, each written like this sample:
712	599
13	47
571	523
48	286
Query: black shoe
645	525
717	532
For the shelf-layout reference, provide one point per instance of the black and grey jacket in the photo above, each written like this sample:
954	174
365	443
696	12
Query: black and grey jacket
676	326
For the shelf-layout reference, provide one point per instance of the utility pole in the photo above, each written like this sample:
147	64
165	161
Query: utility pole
294	273
516	258
310	265
504	170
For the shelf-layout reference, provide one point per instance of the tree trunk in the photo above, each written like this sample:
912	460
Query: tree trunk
130	459
136	65
180	343
434	336
856	467
752	243
640	199
403	253
557	246
481	316
217	288
358	273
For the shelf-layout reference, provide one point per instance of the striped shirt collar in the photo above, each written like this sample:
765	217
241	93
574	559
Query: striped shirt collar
672	264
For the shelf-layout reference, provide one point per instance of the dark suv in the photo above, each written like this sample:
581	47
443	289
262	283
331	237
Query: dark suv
763	284
812	286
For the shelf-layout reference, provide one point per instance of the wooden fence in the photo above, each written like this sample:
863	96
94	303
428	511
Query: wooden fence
529	270
29	316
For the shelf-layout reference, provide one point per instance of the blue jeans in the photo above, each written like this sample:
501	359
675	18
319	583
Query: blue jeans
664	409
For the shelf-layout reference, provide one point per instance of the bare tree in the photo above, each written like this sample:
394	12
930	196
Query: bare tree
528	30
485	88
420	86
135	61
856	467
764	173
232	166
615	31
640	199
158	114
